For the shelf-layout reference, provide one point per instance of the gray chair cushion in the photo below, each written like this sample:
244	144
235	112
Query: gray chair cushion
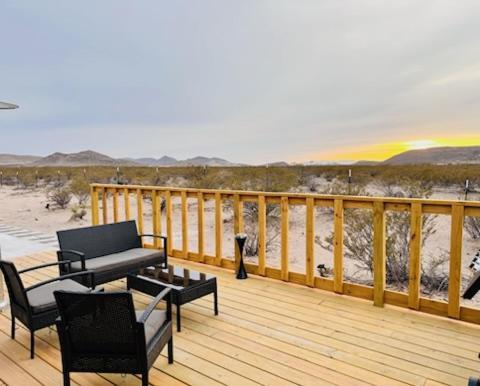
154	321
41	299
132	259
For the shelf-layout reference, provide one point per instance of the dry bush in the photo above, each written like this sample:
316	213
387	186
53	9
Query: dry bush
250	213
80	188
78	213
60	196
472	226
358	242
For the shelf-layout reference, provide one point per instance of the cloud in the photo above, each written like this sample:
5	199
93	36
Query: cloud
252	81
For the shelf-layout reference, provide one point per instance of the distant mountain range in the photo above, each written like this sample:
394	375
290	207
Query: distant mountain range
14	159
92	158
438	156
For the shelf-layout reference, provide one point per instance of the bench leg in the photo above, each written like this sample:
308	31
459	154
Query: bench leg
179	327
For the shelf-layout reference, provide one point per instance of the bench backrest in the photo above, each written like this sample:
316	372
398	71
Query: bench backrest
100	240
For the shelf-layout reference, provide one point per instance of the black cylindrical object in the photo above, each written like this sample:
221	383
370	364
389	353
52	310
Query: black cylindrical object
241	238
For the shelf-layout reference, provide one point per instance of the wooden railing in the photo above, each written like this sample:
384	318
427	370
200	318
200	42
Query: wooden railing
378	293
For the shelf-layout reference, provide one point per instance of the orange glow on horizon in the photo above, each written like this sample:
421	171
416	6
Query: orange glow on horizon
383	151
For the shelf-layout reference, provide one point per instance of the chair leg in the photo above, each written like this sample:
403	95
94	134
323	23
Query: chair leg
145	379
66	378
170	350
32	345
13	327
215	301
179	325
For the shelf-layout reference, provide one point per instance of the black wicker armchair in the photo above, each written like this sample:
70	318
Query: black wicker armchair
102	332
35	306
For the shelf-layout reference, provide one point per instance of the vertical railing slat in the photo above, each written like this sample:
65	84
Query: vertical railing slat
184	224
140	210
155	217
379	253
218	229
115	205
262	234
201	226
237	223
310	242
126	198
94	204
338	246
415	256
104	205
455	275
168	212
284	238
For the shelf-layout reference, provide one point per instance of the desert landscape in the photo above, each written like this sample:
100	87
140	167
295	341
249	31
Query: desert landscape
45	199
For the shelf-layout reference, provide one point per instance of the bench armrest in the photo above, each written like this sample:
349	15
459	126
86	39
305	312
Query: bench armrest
154	303
61	252
68	276
67	262
155	236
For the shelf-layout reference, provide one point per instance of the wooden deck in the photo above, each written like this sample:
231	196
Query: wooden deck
270	332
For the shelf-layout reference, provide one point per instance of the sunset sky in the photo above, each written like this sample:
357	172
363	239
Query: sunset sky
247	80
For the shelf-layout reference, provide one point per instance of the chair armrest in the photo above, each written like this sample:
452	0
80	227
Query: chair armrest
68	262
73	252
154	304
68	276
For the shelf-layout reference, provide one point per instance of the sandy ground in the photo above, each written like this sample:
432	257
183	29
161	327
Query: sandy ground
26	209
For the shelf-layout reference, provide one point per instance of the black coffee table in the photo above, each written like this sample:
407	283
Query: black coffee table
186	285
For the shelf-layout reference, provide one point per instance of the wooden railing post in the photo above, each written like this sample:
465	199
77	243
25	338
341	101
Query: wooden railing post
379	253
455	276
201	226
262	234
184	224
284	238
218	229
415	256
310	242
94	204
338	246
126	198
168	211
140	210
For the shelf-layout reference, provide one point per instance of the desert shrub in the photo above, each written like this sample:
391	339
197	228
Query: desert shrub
78	213
60	196
80	188
358	242
472	227
250	215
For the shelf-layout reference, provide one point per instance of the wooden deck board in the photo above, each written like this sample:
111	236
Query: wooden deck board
270	332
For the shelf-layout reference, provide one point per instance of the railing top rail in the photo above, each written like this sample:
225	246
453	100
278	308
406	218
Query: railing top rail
392	200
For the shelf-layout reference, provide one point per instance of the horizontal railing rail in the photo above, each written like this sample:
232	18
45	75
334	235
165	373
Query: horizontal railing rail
379	206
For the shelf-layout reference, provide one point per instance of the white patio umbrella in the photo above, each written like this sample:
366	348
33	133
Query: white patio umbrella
7	106
3	302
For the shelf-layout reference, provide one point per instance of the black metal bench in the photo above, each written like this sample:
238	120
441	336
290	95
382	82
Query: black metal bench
111	251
